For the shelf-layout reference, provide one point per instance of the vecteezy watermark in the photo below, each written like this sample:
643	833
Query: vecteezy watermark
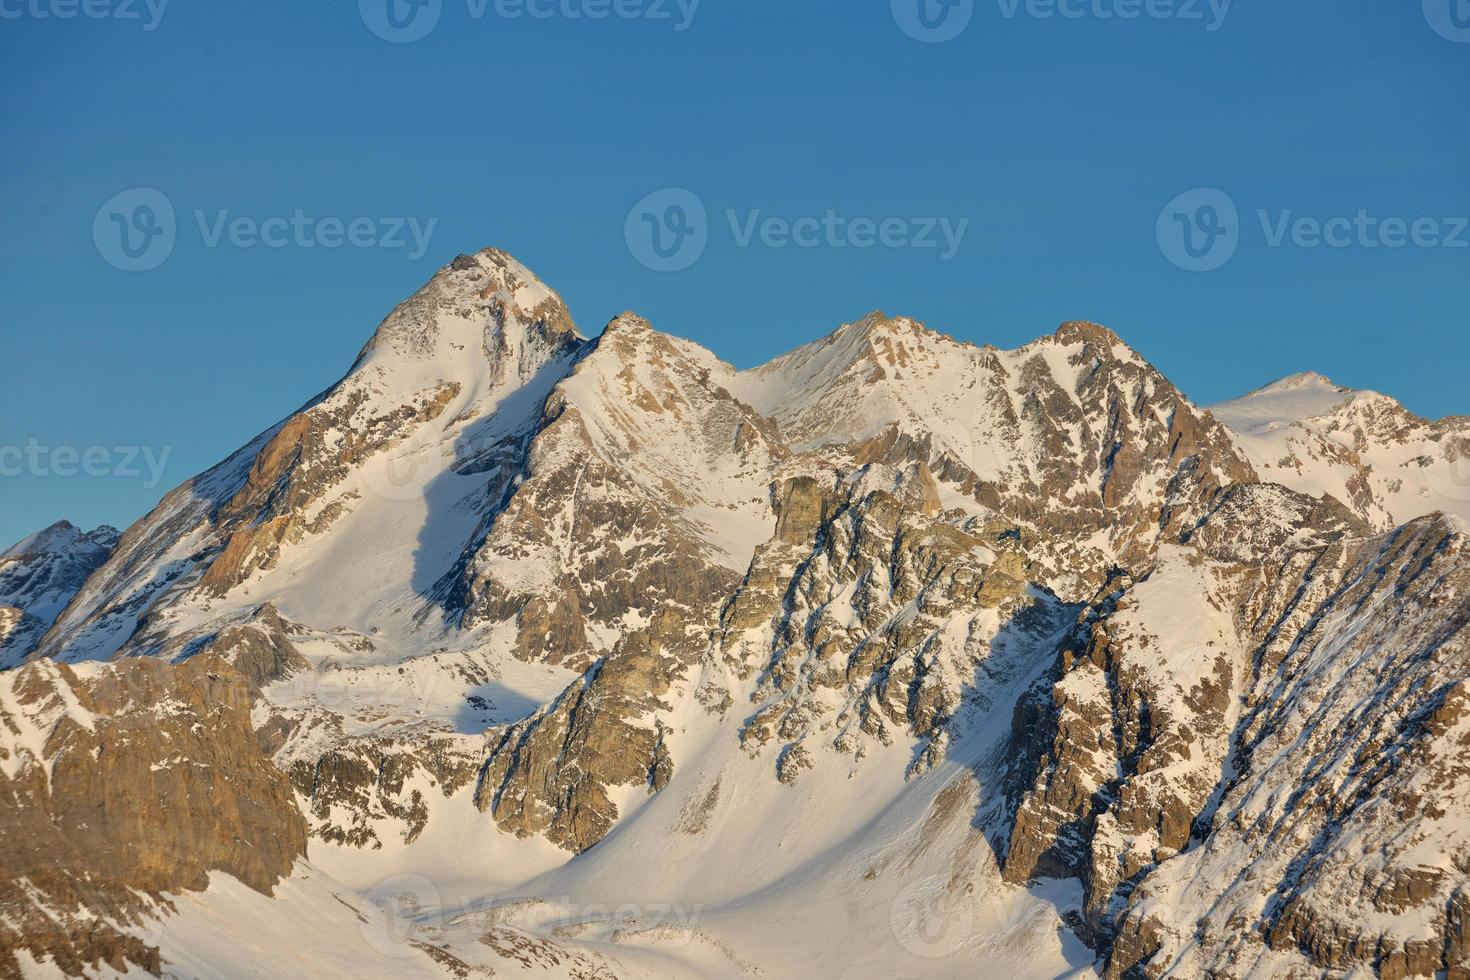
668	230
399	912
1201	230
936	21
1450	19
933	21
1449	474
147	12
122	462
405	911
674	923
404	21
934	919
1211	14
136	230
1363	230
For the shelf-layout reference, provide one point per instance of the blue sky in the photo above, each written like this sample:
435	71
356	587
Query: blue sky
1059	141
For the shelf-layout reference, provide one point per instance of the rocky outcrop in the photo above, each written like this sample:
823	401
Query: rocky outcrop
118	786
368	792
864	619
1138	717
1074	439
553	773
259	647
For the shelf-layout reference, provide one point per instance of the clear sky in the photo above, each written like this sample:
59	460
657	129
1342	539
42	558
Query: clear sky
1061	140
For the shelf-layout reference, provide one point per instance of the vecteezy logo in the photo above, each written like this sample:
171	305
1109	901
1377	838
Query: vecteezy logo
932	922
398	912
400	21
1449	18
135	230
1199	230
933	21
402	472
668	230
1449	477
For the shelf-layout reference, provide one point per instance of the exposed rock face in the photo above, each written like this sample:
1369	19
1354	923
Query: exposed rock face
640	452
306	458
552	774
1074	436
125	782
1139	723
259	647
1249	794
1337	841
39	576
865	620
368	789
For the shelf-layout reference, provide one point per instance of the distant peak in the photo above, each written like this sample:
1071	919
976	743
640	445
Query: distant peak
880	325
1300	381
876	320
50	540
1293	398
104	534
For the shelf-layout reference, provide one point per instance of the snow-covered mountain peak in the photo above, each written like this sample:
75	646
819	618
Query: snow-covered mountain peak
39	575
878	324
53	539
1362	447
57	537
487	302
1283	402
1076	344
627	322
1299	381
861	378
394	459
61	538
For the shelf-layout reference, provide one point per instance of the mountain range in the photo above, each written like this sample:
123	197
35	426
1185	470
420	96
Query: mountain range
520	653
